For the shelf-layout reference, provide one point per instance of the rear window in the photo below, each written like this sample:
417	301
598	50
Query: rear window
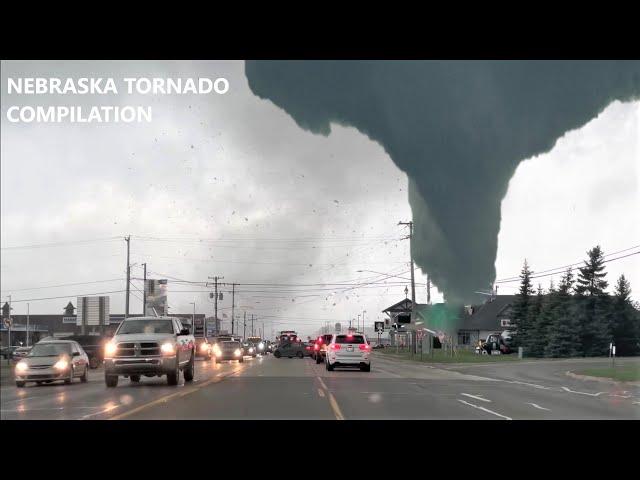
350	339
231	344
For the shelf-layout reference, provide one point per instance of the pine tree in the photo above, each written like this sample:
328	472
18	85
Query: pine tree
563	332
538	322
625	320
591	277
521	308
593	306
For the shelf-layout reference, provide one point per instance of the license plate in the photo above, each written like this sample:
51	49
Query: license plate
350	348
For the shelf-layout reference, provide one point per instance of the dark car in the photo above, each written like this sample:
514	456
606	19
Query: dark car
497	342
228	350
203	348
93	345
308	348
320	348
289	349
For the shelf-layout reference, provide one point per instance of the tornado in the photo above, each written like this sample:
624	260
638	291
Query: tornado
458	129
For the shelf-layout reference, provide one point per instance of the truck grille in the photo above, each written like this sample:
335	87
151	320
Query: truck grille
142	349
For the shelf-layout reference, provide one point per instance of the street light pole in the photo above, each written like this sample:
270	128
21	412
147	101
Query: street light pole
27	324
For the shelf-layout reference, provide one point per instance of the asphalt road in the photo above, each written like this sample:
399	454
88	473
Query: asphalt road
270	388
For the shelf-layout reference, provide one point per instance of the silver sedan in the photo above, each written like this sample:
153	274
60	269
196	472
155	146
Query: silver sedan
53	360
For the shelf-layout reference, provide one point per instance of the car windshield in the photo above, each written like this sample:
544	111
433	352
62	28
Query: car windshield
50	349
146	326
350	339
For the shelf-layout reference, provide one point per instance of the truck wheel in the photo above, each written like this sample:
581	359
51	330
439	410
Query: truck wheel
300	355
85	377
189	369
329	367
174	377
365	368
20	384
134	378
318	359
111	381
276	354
241	360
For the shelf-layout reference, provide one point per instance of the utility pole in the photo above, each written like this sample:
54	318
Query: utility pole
363	312
252	325
428	290
126	308
27	324
10	325
413	283
244	331
144	292
215	279
233	305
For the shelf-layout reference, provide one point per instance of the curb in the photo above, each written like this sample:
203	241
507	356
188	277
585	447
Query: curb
600	379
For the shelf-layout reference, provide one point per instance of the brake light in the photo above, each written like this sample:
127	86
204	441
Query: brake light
365	346
316	347
335	346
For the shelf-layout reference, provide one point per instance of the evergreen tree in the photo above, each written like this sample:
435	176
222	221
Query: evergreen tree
538	323
625	320
562	333
592	306
591	277
521	308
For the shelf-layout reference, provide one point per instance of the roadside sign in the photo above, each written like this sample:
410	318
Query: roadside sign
379	326
7	322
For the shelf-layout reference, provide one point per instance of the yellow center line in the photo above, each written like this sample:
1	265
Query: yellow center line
332	401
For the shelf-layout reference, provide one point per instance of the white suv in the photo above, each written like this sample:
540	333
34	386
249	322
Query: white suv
349	350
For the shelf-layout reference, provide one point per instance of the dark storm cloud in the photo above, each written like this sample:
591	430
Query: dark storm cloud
458	129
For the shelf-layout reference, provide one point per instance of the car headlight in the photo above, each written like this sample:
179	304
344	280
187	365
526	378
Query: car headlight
250	349
168	348
204	347
110	349
61	364
216	351
261	346
21	367
237	352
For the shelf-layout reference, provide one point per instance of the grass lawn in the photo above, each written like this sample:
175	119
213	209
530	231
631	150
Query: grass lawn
623	373
439	356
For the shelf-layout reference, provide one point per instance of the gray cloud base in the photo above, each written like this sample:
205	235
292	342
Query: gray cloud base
457	128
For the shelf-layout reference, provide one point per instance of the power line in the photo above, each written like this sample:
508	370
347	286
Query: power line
64	285
59	244
517	277
67	296
557	273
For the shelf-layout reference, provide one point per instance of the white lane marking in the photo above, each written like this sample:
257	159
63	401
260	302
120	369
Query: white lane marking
529	384
485	409
583	393
321	392
476	397
621	396
108	409
25	410
636	403
538	406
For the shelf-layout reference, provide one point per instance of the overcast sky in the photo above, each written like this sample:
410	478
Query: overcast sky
231	186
